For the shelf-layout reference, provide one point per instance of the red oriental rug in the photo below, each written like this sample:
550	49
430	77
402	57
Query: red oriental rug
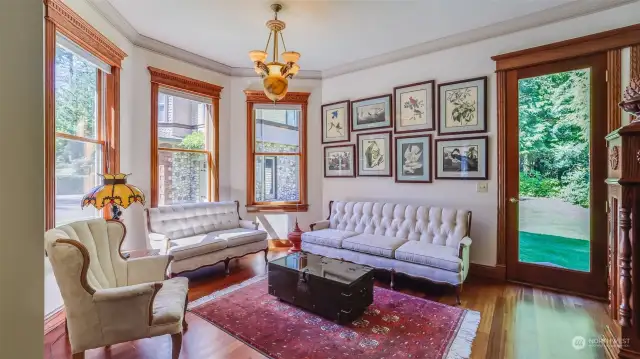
395	326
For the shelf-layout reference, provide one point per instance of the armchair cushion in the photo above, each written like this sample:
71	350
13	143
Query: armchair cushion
122	293
147	269
327	237
168	305
431	255
188	247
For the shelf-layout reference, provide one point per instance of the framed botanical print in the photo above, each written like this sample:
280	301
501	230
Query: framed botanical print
462	158
414	107
462	106
413	159
335	122
375	154
370	113
340	161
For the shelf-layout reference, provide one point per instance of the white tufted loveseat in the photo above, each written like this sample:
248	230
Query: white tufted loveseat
203	234
421	241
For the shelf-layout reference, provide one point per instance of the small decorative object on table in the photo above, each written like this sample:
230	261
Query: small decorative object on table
631	99
114	191
295	237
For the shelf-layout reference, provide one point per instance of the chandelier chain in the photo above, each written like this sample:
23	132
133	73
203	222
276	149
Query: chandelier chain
282	38
268	41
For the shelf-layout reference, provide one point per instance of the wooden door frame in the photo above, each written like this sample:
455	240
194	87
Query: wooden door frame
608	41
594	282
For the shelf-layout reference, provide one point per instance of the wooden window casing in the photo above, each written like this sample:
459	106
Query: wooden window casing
162	78
292	98
60	19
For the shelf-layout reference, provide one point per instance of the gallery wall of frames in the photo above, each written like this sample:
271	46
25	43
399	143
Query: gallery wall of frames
394	133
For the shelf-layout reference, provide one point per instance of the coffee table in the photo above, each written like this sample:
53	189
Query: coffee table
334	289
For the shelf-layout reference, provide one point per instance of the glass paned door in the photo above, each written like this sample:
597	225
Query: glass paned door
554	189
556	167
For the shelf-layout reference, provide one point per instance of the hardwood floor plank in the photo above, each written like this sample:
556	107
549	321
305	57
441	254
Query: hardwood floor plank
517	322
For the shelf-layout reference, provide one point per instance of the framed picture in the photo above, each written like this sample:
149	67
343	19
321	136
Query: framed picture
373	112
462	106
414	107
462	158
340	161
413	159
335	122
375	155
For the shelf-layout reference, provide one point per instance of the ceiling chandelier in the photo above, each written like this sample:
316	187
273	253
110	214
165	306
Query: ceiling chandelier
275	74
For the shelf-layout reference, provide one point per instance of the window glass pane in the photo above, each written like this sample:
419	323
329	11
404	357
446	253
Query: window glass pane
182	123
277	178
276	130
76	94
77	167
182	177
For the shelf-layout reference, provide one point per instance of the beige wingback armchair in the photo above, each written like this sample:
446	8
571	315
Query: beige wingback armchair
109	299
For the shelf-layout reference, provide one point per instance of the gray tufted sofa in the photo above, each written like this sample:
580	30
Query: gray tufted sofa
421	241
203	234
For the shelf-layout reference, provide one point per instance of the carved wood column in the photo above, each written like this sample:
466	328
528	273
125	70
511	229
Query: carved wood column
624	258
614	90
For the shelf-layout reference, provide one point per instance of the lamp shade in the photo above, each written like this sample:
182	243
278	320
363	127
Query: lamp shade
114	190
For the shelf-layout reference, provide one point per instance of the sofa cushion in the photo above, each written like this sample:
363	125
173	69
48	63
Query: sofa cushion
373	244
239	236
168	305
431	255
188	247
327	237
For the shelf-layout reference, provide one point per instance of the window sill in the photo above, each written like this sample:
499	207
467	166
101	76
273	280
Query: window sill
255	208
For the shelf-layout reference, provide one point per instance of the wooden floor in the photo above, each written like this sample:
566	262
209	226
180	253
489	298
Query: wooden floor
517	321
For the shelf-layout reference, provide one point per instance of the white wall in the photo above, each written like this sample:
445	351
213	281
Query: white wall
453	64
21	179
277	224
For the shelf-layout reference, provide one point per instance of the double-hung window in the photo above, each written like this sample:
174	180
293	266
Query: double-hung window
184	139
82	113
276	152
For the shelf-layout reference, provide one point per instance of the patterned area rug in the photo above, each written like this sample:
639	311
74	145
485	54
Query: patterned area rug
396	325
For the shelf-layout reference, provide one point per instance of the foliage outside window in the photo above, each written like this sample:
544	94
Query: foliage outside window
554	136
80	154
276	147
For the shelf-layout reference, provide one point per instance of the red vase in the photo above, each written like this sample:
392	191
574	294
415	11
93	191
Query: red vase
295	237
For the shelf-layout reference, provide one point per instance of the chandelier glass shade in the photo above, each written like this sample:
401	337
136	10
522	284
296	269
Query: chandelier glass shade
275	74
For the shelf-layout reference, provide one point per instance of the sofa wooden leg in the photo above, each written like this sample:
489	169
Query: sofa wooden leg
176	345
78	355
266	255
185	326
226	266
393	279
458	291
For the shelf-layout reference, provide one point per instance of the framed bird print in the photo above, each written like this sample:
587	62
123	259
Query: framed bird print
335	122
462	158
372	112
375	154
340	160
413	159
462	106
414	107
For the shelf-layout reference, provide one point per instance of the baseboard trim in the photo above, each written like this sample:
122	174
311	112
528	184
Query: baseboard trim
54	319
279	243
491	272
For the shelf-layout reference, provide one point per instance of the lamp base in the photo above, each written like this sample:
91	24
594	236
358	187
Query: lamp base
115	212
295	237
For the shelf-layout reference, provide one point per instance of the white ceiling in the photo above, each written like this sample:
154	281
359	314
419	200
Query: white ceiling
327	33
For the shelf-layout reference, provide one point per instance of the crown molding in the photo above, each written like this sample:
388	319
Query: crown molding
258	96
540	18
552	15
180	82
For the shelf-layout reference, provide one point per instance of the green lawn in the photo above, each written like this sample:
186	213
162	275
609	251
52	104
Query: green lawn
565	252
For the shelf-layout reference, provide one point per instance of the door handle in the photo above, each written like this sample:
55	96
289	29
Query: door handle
514	200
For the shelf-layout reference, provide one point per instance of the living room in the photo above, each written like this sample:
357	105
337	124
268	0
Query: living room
458	183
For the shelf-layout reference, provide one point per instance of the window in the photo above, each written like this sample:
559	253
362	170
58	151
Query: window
82	118
184	128
276	150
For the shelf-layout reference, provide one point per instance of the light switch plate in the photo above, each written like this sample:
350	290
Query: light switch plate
482	187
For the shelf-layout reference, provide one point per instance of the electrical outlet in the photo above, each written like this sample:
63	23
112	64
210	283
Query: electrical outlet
482	187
